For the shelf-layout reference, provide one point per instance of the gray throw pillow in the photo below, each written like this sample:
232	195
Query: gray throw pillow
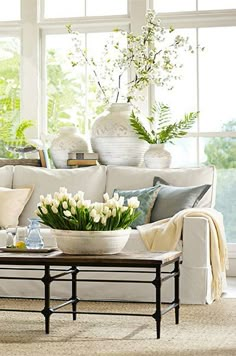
172	199
146	197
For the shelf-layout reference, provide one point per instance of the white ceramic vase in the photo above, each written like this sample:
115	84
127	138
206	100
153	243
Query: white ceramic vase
114	139
91	242
68	140
157	157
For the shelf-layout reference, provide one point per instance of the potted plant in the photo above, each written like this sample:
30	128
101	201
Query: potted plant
17	142
83	227
150	57
160	130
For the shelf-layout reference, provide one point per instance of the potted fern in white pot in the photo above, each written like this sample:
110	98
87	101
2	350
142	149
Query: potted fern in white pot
159	130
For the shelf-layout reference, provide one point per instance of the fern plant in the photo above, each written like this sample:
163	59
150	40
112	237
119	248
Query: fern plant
17	138
160	129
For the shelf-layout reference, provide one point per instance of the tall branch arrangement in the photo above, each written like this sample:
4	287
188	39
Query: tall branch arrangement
151	57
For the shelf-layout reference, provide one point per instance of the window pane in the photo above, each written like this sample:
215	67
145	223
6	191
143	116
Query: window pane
64	8
182	98
9	89
106	7
183	152
217	76
65	85
73	94
222	153
216	4
9	10
174	5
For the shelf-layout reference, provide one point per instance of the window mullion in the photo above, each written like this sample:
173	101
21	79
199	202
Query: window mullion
30	64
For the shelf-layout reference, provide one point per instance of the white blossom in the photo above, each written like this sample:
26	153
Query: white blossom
44	210
54	209
72	202
63	190
104	220
73	210
67	213
133	202
106	197
65	205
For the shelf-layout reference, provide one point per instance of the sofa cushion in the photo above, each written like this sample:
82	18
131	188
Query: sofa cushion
90	180
12	202
146	197
172	199
137	177
6	176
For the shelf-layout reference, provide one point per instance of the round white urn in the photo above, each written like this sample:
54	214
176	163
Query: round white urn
91	242
68	140
115	140
157	157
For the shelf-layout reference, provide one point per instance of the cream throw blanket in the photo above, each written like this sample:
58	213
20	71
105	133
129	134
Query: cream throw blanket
164	235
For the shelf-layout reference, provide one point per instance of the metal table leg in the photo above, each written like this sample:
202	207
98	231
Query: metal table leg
74	298
177	301
157	314
47	310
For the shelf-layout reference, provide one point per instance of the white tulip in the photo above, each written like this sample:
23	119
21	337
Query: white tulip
54	209
67	213
97	218
79	195
113	212
63	190
116	196
93	213
106	197
56	203
65	205
73	210
133	202
72	202
87	203
44	210
121	201
103	220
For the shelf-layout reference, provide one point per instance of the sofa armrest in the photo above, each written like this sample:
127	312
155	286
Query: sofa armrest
196	244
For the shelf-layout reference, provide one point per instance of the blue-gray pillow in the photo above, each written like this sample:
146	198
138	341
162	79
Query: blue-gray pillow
172	199
146	197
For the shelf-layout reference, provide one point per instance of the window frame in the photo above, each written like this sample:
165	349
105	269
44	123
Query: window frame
32	29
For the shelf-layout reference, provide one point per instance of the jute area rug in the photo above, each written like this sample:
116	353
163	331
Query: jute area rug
203	330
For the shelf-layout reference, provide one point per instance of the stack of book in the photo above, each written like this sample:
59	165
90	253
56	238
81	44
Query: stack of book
82	159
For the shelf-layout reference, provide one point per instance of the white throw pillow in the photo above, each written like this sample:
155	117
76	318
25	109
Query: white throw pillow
12	203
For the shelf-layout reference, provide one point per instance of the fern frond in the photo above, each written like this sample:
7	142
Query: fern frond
139	129
20	131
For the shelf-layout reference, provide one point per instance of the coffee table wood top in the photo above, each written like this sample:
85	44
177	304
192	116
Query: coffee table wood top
57	258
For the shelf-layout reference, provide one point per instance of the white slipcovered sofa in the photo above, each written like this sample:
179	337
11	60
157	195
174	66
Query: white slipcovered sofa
196	275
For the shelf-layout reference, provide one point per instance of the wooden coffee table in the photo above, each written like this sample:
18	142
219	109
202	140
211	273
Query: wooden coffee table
153	262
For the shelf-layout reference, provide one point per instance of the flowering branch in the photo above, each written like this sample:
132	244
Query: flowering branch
152	57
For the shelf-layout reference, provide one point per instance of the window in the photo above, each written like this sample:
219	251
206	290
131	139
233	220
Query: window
10	11
207	85
9	88
72	92
37	81
75	8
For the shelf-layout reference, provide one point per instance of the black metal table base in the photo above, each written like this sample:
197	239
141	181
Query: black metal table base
47	279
